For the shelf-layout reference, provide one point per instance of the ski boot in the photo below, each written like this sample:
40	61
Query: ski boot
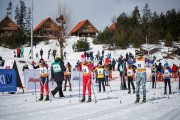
61	93
144	100
129	92
70	89
47	98
89	99
133	91
137	99
41	97
83	99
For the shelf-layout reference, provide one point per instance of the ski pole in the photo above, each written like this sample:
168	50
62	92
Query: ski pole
35	85
79	86
109	85
93	91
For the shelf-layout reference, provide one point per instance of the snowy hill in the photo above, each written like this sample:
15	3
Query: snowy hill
115	104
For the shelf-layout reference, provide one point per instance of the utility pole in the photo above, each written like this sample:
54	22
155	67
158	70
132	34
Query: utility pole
32	32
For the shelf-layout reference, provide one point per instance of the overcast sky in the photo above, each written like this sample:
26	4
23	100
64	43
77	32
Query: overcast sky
99	12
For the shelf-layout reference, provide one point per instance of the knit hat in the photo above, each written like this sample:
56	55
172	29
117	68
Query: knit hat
166	64
83	59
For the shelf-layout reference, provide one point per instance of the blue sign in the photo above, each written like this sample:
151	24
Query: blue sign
8	80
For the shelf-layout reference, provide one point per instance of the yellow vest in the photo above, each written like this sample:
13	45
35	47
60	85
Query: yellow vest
100	72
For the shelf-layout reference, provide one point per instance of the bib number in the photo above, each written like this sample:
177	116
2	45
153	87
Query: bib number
57	68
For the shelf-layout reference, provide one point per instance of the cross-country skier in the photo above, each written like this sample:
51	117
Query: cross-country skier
100	75
68	76
121	69
153	76
57	73
130	78
43	78
140	74
86	78
167	72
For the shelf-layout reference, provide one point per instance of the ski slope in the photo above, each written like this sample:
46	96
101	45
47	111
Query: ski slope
114	104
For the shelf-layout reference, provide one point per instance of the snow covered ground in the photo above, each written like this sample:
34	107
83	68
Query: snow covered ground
115	104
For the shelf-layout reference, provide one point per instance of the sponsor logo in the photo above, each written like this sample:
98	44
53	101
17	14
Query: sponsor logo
76	78
5	79
34	80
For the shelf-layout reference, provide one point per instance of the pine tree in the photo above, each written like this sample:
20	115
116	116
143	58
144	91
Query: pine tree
28	21
20	14
9	10
168	40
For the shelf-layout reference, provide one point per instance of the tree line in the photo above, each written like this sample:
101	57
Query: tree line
134	28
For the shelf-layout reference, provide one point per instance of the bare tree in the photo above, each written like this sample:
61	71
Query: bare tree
63	18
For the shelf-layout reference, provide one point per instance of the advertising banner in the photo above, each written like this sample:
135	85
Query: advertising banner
32	79
8	80
76	78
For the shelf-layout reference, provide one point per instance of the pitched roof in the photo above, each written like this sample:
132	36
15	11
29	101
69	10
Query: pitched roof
79	25
112	27
10	20
43	22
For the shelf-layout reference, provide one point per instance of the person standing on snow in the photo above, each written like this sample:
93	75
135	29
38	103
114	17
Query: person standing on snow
167	72
174	71
140	74
153	76
86	71
54	53
22	51
43	78
49	52
65	55
113	64
100	75
121	69
68	76
41	52
18	52
57	73
130	78
1	62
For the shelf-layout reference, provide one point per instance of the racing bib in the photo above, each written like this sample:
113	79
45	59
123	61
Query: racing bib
43	71
166	73
57	68
100	71
85	69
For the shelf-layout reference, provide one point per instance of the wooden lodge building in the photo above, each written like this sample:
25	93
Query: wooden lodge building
47	28
84	29
8	27
112	26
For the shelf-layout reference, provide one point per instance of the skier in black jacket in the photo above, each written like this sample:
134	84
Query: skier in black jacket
57	73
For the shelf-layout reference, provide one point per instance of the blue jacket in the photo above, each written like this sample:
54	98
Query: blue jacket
170	71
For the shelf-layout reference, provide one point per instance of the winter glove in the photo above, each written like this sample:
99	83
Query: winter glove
32	63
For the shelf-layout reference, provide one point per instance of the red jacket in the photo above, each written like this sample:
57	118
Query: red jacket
18	50
174	68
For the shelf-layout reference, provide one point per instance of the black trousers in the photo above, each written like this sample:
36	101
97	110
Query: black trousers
123	81
101	81
153	82
130	81
68	78
167	81
58	88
